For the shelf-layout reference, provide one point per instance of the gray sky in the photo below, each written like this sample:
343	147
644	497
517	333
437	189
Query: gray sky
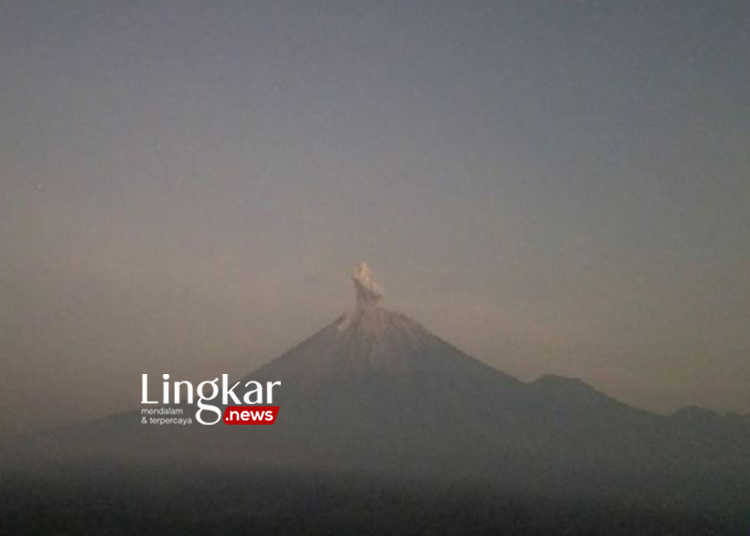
554	186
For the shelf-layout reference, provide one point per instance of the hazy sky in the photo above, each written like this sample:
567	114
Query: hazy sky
553	186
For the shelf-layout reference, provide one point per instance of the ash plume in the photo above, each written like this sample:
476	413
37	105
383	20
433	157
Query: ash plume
369	293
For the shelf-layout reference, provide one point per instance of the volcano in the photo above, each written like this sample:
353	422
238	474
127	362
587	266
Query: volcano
375	393
377	368
381	366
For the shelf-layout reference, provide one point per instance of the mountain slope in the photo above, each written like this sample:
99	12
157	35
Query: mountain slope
378	362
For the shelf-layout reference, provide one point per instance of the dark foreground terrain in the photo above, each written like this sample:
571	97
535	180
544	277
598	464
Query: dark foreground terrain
185	501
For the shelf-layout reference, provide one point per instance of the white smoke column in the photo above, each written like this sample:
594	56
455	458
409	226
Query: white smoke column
369	292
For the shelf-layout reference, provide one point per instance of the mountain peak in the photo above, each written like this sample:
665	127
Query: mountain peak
374	322
573	395
373	344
